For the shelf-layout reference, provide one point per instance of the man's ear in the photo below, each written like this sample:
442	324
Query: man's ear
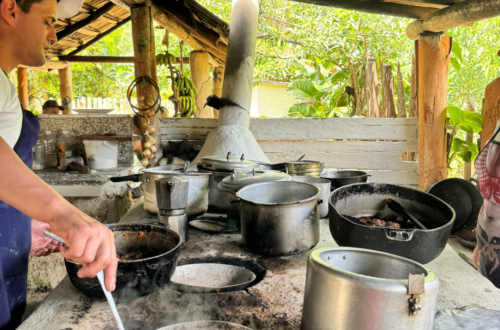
8	11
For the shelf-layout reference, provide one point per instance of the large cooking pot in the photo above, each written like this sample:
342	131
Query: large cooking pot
135	277
368	199
357	289
322	184
234	182
221	167
198	188
344	178
279	218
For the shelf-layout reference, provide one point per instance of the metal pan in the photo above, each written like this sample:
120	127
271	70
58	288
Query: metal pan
344	178
211	278
205	325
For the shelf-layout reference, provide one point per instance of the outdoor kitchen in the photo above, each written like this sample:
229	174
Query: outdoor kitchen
269	223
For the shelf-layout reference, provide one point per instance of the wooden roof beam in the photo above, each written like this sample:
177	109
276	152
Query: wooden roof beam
453	16
87	21
107	59
49	65
164	20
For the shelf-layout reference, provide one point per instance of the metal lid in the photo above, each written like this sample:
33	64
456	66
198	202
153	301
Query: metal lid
463	197
228	163
235	182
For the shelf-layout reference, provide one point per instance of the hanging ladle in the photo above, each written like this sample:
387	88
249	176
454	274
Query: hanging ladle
100	277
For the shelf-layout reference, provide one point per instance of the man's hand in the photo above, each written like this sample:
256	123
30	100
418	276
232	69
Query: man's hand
89	242
41	245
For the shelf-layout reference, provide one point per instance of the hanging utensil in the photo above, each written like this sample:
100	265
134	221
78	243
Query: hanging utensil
100	277
399	209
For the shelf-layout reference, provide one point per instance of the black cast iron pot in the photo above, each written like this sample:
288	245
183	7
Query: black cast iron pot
368	199
136	278
344	178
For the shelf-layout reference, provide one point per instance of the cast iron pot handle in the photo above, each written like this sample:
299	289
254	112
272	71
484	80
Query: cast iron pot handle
399	235
133	177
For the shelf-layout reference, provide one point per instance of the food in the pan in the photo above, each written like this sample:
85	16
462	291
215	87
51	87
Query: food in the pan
395	221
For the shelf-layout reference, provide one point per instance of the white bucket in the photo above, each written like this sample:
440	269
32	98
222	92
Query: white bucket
101	154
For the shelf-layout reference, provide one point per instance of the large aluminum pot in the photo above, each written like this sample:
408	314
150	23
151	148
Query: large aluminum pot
279	218
198	188
350	288
217	199
322	184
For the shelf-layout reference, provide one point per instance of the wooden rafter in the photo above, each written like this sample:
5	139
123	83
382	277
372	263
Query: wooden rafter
69	30
99	37
108	59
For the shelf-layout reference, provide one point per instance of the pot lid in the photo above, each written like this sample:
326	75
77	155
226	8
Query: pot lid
463	197
240	180
228	163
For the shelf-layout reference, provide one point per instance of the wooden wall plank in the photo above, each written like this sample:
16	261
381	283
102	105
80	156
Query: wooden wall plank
277	129
337	146
363	161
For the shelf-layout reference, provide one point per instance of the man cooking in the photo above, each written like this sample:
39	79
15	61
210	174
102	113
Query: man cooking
26	34
51	108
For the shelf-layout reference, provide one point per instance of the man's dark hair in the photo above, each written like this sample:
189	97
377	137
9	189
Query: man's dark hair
25	5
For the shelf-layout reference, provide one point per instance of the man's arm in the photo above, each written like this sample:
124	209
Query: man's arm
89	242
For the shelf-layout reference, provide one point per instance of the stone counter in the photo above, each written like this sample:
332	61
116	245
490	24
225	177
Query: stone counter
273	303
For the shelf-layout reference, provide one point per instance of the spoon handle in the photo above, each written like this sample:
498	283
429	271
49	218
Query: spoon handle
111	301
100	277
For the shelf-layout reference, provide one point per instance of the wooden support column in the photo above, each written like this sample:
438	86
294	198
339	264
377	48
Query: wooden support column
66	86
22	87
144	64
200	72
371	89
218	81
389	105
433	63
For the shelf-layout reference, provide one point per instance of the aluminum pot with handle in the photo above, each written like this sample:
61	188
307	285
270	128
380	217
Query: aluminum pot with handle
198	188
221	167
234	182
351	288
279	218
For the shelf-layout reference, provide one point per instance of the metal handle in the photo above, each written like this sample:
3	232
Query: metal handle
242	157
320	201
399	235
186	165
54	237
133	177
301	157
228	155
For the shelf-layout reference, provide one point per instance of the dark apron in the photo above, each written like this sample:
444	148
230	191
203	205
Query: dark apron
488	222
15	239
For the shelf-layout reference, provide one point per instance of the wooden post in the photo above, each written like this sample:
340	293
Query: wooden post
144	65
371	89
491	111
388	103
200	72
65	86
401	95
218	81
22	87
433	60
469	137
